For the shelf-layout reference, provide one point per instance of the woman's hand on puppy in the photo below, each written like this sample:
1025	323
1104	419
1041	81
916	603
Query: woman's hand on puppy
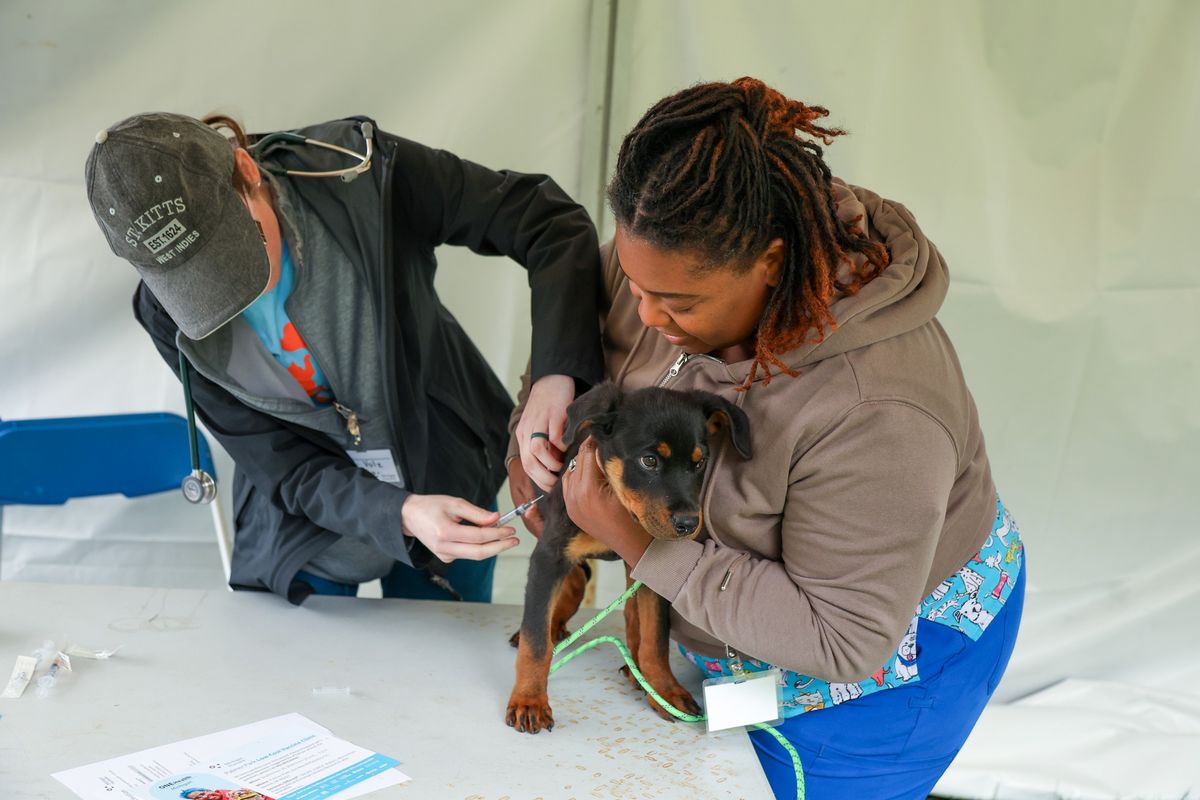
594	507
523	490
540	431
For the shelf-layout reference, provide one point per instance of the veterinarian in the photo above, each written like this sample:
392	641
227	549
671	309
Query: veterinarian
295	273
862	549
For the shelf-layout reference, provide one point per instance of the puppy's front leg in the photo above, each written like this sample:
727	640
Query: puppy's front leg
632	632
653	629
528	705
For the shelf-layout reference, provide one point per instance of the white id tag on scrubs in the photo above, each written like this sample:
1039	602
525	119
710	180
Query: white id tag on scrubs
379	463
740	700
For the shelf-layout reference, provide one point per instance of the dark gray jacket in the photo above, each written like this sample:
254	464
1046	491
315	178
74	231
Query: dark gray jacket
295	489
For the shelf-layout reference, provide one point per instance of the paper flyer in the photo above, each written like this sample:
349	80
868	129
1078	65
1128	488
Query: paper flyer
285	758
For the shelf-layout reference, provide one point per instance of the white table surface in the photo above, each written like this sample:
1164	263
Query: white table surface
429	683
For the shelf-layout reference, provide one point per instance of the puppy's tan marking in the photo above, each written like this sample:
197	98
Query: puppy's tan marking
718	420
653	517
585	546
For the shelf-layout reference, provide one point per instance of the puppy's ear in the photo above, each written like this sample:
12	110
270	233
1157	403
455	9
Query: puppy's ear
723	414
593	413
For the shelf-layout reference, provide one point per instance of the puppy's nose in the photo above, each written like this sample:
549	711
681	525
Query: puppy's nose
685	523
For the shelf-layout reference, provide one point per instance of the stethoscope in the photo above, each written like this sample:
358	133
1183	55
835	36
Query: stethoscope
200	486
347	174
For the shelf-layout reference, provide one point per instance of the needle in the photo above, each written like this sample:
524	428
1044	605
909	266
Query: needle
519	511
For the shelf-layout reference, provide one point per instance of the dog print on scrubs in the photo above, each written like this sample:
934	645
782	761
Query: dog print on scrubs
978	591
810	701
970	578
880	676
944	609
1007	525
841	692
967	601
906	654
940	591
974	611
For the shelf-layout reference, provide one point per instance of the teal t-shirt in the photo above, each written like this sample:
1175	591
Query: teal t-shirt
270	321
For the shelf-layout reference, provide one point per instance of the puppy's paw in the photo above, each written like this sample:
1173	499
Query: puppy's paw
560	633
680	698
529	714
629	677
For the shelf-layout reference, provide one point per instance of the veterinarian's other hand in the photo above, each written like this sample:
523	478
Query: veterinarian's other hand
522	491
546	416
453	528
592	505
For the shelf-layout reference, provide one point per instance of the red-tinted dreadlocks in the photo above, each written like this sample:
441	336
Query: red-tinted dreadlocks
720	170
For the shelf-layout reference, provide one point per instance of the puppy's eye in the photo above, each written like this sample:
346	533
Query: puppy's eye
701	464
649	462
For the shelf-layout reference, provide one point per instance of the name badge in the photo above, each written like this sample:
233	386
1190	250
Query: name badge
740	700
379	463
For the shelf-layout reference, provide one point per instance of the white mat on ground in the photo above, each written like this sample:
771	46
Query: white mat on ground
1083	740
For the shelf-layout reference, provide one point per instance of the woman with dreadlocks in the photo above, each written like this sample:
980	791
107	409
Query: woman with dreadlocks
863	550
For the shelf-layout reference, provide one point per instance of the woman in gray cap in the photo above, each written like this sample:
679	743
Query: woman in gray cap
291	277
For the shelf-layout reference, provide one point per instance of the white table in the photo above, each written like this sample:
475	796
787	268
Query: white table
429	683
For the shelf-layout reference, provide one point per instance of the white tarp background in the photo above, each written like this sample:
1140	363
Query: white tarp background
1046	147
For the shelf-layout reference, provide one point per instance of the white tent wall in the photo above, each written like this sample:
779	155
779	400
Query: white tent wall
503	84
1046	147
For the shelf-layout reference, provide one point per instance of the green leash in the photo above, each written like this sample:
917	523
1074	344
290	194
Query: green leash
672	710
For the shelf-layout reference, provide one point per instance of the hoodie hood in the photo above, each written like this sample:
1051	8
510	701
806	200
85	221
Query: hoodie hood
905	296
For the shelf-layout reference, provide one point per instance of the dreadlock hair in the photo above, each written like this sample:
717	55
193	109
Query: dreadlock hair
721	170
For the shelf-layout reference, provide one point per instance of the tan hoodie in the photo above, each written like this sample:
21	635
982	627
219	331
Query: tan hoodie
869	483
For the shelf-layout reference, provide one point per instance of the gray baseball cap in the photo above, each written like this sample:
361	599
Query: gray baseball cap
161	189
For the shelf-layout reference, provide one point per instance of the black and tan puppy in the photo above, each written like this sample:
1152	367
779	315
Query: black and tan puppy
653	445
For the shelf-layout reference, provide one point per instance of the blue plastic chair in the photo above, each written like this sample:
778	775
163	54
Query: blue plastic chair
50	461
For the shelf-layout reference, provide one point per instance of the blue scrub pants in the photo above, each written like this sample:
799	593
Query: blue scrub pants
895	744
472	579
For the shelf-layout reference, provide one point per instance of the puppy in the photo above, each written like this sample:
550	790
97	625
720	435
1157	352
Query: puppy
653	446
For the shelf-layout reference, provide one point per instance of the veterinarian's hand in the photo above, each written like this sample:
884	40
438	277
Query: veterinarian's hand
453	528
540	431
592	505
522	491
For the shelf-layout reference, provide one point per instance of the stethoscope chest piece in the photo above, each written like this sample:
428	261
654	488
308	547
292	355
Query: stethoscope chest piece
199	487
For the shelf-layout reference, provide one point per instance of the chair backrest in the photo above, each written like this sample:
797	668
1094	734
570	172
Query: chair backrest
50	461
